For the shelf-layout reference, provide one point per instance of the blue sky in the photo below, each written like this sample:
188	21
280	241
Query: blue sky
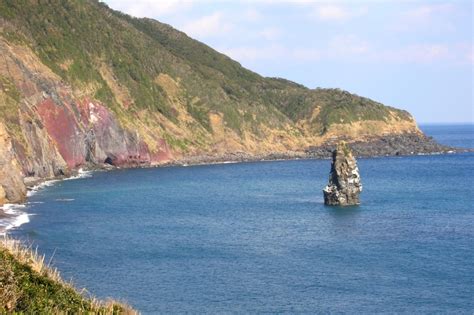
415	55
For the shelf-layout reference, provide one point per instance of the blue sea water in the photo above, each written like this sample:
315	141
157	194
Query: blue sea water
460	135
256	237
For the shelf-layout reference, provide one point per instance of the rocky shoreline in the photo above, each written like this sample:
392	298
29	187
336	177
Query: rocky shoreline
393	145
390	145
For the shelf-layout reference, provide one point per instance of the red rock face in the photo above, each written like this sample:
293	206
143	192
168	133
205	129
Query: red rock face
82	132
115	145
87	131
64	130
143	153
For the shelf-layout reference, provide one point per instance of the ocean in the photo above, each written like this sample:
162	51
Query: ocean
257	238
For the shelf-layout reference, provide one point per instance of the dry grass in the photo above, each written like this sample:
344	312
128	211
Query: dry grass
30	284
29	256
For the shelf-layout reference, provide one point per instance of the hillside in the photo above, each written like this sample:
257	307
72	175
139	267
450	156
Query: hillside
82	85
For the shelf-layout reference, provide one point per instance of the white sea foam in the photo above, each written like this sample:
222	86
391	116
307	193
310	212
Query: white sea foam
14	217
40	186
10	208
80	174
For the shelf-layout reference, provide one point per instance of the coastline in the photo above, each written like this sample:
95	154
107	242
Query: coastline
35	185
12	216
262	194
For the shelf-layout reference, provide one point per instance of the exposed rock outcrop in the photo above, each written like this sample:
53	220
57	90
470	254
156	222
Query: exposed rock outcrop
46	130
3	195
12	188
394	144
344	184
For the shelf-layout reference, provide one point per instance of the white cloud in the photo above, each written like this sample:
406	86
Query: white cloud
353	49
252	15
455	54
421	54
429	16
307	54
463	53
347	45
207	26
427	11
470	55
273	52
270	33
259	40
331	12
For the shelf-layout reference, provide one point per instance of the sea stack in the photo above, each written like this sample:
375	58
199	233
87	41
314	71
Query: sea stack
344	184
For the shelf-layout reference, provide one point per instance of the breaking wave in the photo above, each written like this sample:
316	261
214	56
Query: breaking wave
12	216
80	174
33	190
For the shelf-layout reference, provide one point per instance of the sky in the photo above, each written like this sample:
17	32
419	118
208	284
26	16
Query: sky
413	55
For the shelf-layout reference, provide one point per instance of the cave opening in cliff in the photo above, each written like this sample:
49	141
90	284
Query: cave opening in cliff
109	160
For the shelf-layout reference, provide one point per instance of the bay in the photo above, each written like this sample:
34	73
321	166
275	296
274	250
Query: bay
257	238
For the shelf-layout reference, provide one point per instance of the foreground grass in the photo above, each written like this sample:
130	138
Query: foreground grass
28	285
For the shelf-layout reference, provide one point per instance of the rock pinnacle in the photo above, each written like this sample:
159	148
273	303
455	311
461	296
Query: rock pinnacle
344	184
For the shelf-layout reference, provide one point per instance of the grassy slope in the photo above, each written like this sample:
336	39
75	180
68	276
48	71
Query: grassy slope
27	285
75	38
294	100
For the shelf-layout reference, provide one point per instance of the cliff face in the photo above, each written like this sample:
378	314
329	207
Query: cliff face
81	84
50	130
12	188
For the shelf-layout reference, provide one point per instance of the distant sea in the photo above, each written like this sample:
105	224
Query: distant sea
256	237
460	135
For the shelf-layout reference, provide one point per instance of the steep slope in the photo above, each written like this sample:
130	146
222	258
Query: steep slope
82	85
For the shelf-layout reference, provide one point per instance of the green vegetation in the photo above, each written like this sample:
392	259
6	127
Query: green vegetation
9	101
150	75
175	142
199	112
339	106
9	88
27	285
343	146
76	39
78	35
